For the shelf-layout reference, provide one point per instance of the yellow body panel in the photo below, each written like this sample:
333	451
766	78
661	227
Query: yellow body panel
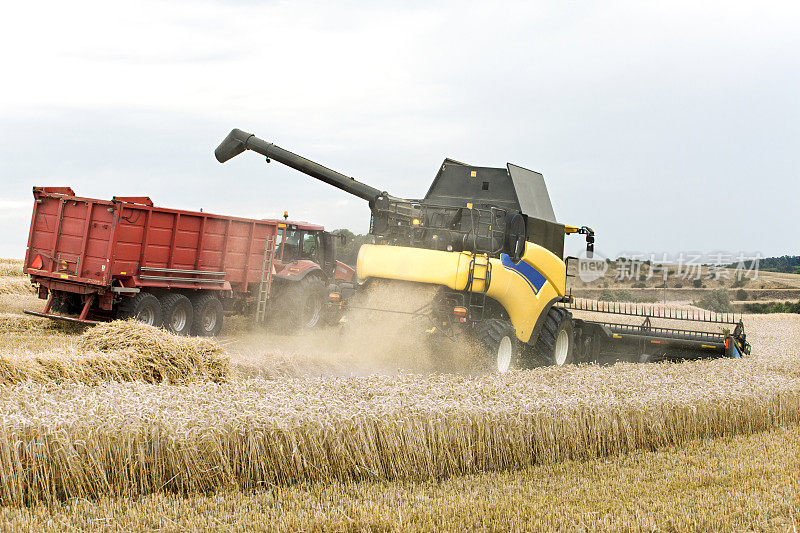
522	289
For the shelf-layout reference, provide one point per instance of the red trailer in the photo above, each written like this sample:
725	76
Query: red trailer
126	258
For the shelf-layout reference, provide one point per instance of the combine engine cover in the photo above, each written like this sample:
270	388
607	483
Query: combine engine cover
477	209
525	289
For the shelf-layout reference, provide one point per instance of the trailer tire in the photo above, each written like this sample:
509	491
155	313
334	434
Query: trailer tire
176	313
556	343
304	304
208	315
499	341
143	307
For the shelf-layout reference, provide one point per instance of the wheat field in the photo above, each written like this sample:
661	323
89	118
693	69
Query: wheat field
742	483
11	268
256	432
116	351
12	280
124	411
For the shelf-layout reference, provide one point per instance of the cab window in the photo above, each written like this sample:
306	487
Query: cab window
291	245
311	246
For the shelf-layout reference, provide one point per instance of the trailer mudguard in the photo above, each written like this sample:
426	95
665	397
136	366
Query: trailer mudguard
524	288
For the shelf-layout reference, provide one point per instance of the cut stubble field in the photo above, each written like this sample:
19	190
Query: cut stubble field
317	432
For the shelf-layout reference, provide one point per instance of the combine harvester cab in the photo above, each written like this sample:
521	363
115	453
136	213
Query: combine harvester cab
97	260
488	237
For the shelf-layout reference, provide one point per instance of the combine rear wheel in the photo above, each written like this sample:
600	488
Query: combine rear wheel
177	313
499	341
556	340
208	315
143	307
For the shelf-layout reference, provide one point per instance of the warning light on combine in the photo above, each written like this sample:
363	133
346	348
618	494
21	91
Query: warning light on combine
415	222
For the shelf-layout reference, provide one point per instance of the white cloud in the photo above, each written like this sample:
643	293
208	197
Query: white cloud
13	205
665	126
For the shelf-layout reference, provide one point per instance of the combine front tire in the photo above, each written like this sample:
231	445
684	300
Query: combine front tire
556	340
208	315
176	311
143	307
499	341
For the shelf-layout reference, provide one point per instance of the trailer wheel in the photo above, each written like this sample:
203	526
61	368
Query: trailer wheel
208	315
143	307
499	341
177	313
556	341
304	302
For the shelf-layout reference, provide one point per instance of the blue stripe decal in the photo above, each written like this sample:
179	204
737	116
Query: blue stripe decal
533	277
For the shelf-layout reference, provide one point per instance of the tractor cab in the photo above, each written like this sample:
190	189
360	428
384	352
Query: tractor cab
295	244
302	247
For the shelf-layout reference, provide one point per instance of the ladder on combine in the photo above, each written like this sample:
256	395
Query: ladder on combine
480	271
265	287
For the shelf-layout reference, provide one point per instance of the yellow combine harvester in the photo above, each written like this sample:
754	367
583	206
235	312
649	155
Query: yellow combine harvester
488	238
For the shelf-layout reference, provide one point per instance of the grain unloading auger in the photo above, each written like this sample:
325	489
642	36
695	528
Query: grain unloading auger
488	237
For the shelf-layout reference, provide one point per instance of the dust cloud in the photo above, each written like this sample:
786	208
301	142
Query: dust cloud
380	334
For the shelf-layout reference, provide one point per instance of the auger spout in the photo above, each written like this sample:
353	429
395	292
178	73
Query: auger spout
238	141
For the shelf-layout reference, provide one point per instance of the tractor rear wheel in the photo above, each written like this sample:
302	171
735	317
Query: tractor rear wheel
556	341
143	307
499	341
304	303
177	313
208	315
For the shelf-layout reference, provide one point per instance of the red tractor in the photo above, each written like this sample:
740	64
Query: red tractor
125	258
306	273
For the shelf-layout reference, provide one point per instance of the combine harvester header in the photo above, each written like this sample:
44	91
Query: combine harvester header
489	239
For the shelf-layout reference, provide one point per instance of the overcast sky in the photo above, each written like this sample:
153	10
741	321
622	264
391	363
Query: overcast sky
666	126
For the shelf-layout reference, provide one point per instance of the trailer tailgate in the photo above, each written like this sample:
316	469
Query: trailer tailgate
70	237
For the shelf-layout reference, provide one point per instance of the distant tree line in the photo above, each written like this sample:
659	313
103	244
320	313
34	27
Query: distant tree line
789	264
773	307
